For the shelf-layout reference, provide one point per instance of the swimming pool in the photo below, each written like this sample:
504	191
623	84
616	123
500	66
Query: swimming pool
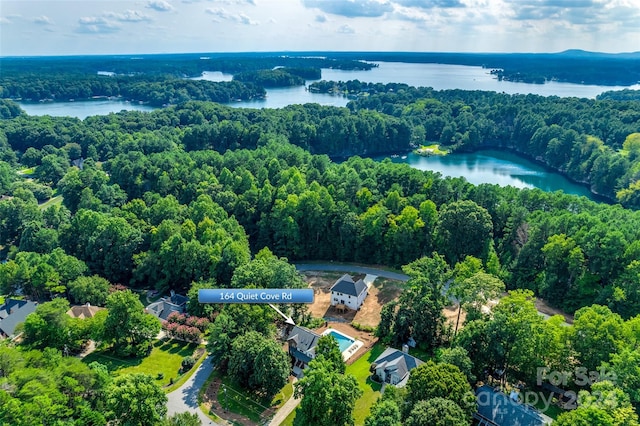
343	341
348	345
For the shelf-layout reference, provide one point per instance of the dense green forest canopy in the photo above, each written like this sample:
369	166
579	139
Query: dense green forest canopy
178	65
176	184
189	196
156	91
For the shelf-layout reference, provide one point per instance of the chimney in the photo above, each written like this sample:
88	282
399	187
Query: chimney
405	348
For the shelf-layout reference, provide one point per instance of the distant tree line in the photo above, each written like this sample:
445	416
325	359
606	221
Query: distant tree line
280	77
177	65
156	91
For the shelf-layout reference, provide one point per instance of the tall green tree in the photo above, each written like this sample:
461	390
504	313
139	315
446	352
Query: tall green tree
259	364
328	397
93	290
233	321
135	400
50	327
384	413
597	334
328	348
127	326
464	229
431	380
437	411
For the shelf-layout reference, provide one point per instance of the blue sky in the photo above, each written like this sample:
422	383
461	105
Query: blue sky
54	27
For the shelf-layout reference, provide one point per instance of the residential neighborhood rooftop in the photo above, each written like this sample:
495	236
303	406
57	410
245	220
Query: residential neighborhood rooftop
346	285
12	313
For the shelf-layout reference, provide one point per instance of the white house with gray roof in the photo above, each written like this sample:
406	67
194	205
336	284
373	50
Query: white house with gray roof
394	366
348	292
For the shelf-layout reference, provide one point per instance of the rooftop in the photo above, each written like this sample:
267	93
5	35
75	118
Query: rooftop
346	285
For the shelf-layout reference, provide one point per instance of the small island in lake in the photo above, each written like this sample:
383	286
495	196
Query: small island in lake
428	150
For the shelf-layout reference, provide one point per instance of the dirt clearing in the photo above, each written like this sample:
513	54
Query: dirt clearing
382	291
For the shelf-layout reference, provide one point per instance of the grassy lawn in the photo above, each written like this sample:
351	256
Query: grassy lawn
238	401
166	358
420	354
283	396
433	149
50	202
27	172
370	389
289	420
552	411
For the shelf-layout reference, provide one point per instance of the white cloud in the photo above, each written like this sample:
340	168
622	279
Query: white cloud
346	29
4	20
96	25
42	20
128	16
351	8
160	6
429	4
223	15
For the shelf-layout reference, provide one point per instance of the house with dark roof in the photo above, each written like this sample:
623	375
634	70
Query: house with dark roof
394	366
302	344
348	293
498	409
12	313
163	307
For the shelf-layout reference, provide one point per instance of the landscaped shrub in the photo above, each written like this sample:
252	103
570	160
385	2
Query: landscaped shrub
189	328
187	363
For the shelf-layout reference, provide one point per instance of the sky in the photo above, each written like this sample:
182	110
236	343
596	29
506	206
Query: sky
72	27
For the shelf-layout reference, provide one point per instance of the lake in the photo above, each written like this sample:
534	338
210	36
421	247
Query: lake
496	167
438	76
487	166
81	109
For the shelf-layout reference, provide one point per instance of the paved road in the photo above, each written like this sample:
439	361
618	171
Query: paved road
285	410
185	398
340	267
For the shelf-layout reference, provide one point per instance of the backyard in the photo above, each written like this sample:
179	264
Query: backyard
163	364
382	291
370	389
230	402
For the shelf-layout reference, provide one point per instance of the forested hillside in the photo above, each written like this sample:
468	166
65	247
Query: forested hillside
177	184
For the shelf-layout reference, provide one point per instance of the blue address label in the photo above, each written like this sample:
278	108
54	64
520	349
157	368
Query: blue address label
270	295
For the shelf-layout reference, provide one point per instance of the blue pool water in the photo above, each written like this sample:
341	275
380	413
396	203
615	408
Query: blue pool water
343	341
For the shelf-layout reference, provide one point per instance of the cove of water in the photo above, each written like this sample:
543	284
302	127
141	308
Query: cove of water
81	109
495	167
437	76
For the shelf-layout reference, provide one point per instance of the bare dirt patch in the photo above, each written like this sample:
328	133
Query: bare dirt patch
381	292
544	308
451	313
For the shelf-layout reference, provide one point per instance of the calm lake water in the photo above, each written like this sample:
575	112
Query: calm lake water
488	166
495	167
81	109
438	76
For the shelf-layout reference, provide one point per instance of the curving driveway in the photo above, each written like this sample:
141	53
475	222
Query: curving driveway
185	398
